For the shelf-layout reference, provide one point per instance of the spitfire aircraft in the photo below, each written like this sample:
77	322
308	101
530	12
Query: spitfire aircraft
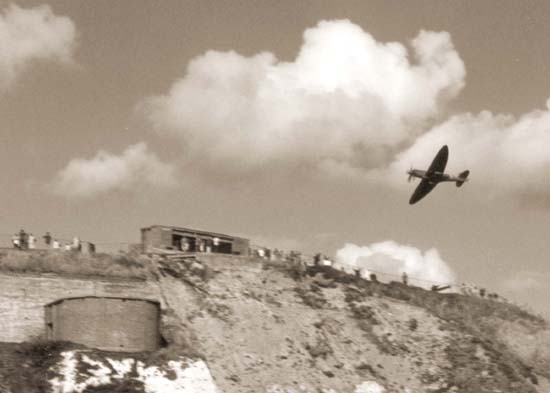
434	175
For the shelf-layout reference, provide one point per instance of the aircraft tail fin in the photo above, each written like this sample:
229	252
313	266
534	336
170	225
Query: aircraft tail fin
463	177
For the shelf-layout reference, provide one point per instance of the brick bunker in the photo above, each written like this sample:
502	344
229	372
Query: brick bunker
106	323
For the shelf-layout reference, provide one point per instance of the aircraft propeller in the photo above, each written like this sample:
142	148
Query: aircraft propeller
409	172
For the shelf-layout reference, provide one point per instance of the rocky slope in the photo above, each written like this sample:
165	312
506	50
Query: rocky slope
275	327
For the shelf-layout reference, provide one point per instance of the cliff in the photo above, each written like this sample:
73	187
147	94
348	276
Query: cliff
234	324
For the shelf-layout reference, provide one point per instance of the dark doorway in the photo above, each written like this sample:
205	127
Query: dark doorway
224	248
191	244
176	242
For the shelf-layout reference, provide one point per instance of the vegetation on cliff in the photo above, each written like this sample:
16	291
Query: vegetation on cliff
72	263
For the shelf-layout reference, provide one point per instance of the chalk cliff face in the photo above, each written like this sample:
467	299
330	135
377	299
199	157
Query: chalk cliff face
181	375
243	325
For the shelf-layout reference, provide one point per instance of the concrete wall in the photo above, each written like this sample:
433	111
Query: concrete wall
241	246
155	237
23	297
111	324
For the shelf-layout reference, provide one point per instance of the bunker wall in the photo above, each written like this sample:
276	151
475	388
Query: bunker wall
112	324
23	297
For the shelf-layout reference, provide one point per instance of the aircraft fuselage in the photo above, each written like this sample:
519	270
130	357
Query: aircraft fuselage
433	177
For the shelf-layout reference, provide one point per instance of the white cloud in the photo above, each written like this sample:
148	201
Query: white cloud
393	259
32	34
105	172
504	153
346	100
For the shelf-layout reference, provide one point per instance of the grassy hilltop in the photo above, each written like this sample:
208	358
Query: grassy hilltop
72	263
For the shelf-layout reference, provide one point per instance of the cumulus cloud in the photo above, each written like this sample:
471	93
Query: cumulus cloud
390	258
27	35
346	100
505	153
105	172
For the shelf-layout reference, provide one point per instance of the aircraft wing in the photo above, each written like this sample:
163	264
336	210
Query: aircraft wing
422	190
440	161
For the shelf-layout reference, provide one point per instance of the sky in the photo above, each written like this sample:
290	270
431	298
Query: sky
289	123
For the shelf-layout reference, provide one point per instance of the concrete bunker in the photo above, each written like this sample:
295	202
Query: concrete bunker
105	323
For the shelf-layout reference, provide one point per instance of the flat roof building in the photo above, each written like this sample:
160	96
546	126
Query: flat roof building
191	240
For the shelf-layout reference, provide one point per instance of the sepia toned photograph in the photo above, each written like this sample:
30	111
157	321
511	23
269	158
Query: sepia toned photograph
260	196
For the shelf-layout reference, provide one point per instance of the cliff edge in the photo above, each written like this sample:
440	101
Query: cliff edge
248	325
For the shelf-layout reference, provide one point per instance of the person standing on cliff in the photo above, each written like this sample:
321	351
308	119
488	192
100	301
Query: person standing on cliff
76	244
47	239
32	242
15	241
23	239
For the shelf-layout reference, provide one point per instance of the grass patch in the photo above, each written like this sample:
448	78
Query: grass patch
311	296
118	386
73	263
456	307
28	367
501	370
367	320
25	367
471	315
293	268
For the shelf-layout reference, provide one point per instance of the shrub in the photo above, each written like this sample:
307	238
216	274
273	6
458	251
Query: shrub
118	386
313	297
321	349
293	268
33	360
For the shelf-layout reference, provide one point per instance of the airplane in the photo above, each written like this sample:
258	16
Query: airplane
434	175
